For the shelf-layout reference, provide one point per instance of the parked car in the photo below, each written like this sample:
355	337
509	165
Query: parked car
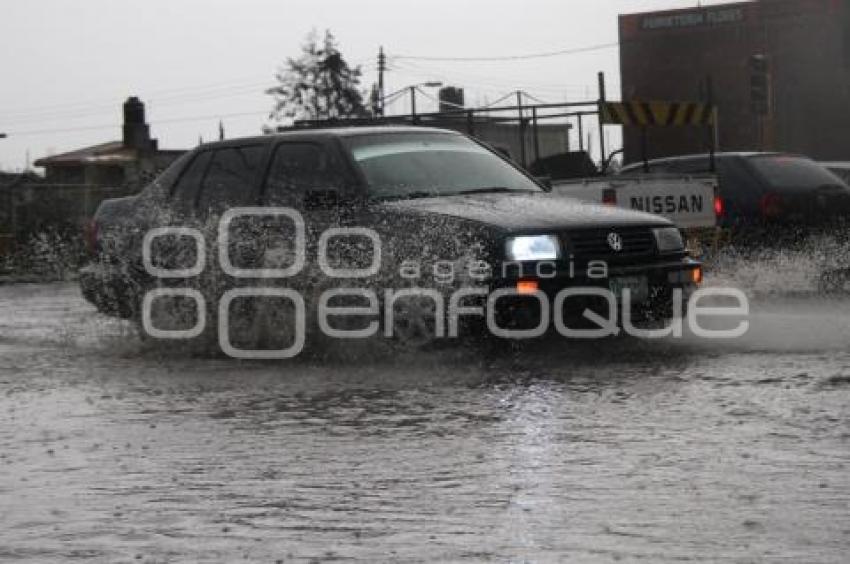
431	195
764	189
839	169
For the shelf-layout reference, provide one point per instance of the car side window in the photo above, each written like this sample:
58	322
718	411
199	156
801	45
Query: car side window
654	168
690	166
231	178
297	168
660	167
186	189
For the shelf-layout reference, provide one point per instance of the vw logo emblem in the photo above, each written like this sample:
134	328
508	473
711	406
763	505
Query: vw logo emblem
615	241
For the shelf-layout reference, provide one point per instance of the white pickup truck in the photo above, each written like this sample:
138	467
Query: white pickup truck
689	201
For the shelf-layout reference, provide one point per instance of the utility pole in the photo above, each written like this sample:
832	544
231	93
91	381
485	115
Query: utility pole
413	102
581	134
382	66
601	77
523	157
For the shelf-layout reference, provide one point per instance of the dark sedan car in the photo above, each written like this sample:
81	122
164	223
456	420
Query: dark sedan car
378	208
765	189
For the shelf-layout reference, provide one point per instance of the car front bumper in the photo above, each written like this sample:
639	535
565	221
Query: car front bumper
657	302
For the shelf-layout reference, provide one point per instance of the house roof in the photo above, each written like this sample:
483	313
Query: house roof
105	153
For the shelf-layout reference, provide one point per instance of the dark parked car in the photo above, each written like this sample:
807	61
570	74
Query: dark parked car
435	198
764	189
839	169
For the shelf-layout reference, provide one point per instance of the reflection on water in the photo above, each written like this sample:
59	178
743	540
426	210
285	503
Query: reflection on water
112	450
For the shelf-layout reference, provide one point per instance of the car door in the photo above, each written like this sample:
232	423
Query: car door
231	182
160	240
312	179
215	180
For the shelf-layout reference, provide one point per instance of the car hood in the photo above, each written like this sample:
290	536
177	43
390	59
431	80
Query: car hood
527	211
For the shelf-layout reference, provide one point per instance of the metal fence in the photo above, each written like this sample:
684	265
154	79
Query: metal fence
527	120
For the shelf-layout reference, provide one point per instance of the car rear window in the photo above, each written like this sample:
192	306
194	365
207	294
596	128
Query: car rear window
783	172
842	172
187	186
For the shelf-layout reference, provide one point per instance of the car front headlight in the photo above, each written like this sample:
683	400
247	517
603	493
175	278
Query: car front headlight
532	247
668	239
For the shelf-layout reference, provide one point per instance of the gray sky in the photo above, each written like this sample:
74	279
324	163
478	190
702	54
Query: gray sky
69	64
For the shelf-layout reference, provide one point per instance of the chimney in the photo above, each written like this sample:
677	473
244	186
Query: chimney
136	132
451	98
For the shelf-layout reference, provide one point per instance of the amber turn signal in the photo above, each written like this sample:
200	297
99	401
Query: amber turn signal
696	275
526	286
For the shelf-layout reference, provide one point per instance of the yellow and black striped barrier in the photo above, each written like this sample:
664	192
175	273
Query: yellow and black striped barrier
658	114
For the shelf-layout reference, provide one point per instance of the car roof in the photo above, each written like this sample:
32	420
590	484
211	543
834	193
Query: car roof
719	155
327	132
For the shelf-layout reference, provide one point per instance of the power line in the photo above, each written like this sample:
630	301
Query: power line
153	122
571	51
109	102
487	83
155	98
150	103
461	74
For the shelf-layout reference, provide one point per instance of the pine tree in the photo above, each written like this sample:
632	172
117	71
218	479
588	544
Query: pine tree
317	85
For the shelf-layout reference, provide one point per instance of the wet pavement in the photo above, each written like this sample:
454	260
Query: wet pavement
112	450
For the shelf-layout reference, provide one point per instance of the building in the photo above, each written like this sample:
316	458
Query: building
129	162
517	143
9	182
74	183
803	47
524	144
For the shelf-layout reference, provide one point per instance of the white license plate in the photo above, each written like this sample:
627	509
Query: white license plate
637	285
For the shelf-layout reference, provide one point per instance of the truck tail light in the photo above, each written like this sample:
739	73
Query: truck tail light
719	208
609	197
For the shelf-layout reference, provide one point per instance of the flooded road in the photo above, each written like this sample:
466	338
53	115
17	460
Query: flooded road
666	451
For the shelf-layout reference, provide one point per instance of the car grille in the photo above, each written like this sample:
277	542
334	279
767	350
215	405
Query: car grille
593	244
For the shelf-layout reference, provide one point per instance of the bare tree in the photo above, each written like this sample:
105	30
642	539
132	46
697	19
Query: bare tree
317	85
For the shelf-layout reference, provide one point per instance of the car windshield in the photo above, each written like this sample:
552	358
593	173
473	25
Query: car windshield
783	172
407	165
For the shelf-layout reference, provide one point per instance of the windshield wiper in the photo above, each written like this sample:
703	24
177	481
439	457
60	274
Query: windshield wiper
438	194
492	189
406	195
